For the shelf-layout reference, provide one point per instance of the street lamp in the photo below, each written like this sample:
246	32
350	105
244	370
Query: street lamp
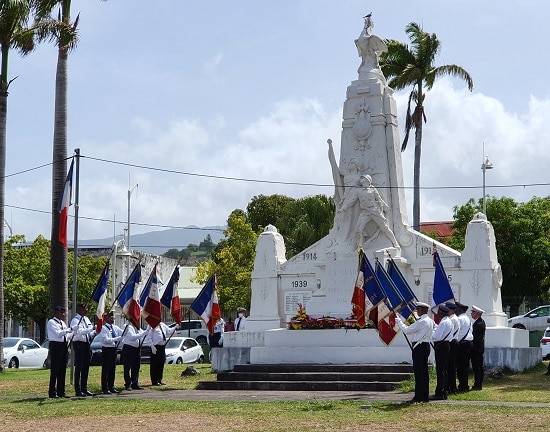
484	167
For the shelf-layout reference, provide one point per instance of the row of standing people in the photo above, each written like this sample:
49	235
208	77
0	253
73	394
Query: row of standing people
215	340
456	340
81	332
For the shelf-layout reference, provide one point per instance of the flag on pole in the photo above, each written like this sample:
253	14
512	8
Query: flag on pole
129	296
374	295
63	207
152	310
387	327
171	298
206	304
442	287
98	295
405	291
358	297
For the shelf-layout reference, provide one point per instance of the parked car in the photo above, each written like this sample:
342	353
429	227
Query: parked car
195	329
545	344
179	350
97	356
537	319
47	362
23	353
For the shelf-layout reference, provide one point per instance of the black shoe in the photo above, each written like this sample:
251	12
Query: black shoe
161	383
156	384
137	387
106	392
54	397
476	388
127	387
80	394
113	390
438	397
89	393
64	396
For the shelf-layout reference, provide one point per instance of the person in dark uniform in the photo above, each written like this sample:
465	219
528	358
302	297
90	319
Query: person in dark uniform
420	333
453	353
465	338
442	346
156	339
58	334
110	336
478	332
83	334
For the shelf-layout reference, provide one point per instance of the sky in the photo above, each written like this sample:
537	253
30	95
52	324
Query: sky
205	105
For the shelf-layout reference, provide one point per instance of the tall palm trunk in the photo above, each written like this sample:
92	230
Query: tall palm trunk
59	287
418	118
3	120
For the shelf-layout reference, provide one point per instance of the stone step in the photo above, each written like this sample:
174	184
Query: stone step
314	376
311	377
299	385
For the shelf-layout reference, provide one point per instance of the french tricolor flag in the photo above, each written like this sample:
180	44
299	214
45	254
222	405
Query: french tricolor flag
64	205
206	304
152	310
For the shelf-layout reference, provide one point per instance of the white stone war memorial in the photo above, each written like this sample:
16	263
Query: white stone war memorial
370	213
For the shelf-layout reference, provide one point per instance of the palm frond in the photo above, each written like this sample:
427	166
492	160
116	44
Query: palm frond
456	71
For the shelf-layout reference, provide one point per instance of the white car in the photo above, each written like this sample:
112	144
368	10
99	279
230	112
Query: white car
195	329
23	353
183	350
545	344
537	319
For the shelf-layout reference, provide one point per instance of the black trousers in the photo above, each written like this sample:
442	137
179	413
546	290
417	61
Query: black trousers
215	340
82	357
156	369
131	358
58	368
463	362
477	366
420	356
442	350
451	367
108	366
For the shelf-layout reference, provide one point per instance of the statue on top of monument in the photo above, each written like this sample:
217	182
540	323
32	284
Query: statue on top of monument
372	208
369	47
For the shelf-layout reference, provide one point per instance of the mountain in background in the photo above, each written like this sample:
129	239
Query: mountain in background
158	242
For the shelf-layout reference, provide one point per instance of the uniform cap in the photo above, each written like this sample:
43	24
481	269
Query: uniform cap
477	309
422	305
443	310
451	305
59	308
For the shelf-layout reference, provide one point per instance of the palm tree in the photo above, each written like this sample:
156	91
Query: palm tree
14	34
65	39
415	66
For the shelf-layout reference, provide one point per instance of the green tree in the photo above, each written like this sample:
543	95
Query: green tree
264	210
415	66
522	232
233	263
28	280
207	244
305	221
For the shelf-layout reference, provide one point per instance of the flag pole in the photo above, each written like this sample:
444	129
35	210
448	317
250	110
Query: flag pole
75	249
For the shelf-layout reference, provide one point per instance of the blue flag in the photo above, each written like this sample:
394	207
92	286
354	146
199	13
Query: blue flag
102	284
127	298
373	290
388	288
405	291
442	287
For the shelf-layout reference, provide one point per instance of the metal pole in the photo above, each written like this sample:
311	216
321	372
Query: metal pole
130	190
75	248
483	168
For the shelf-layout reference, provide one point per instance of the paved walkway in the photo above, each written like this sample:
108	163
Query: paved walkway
268	396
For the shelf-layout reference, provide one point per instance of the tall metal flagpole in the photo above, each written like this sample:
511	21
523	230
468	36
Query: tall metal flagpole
75	247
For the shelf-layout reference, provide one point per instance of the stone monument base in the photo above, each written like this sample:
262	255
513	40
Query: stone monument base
350	346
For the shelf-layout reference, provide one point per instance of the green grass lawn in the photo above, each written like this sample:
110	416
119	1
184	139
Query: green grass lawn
24	406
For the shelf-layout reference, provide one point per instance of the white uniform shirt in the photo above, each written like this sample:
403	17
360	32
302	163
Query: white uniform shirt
240	323
444	330
419	331
110	335
465	332
85	331
57	330
456	326
132	336
159	335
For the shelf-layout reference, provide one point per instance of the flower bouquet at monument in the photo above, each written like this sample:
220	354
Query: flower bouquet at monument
297	321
